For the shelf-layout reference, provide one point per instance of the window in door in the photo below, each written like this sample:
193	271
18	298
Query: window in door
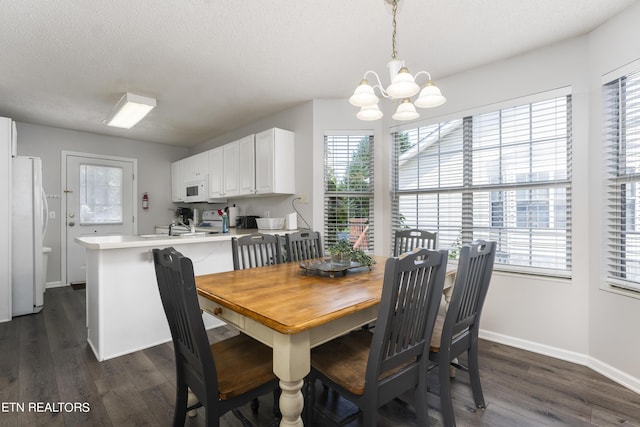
101	195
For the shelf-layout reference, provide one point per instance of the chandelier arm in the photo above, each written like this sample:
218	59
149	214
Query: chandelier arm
379	85
421	72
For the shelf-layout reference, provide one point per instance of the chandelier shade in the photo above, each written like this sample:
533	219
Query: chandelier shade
363	95
402	88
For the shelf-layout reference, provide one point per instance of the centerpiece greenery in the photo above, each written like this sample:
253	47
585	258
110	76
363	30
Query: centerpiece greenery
342	252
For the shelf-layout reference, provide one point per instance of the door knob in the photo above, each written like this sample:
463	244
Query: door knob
71	224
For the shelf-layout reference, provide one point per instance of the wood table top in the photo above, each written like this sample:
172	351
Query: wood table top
288	300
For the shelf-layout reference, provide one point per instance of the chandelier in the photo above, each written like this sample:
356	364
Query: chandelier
403	86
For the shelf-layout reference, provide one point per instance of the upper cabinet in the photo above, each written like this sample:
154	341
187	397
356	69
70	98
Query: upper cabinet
260	164
176	182
195	167
275	162
246	166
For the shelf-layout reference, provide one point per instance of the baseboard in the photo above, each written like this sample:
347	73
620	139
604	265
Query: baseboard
608	371
57	284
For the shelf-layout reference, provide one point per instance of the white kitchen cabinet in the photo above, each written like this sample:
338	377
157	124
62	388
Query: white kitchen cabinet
231	156
216	173
177	187
275	162
246	166
195	167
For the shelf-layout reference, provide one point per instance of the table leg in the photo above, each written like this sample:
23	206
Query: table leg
291	363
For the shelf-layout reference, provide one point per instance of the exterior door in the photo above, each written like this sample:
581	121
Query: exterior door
99	200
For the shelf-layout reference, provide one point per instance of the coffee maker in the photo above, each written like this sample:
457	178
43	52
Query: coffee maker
183	215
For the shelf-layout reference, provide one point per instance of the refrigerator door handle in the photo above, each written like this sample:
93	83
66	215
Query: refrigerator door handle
45	219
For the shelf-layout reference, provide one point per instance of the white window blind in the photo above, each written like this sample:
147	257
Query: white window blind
503	175
348	189
622	135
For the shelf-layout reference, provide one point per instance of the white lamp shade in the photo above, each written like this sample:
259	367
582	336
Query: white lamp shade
406	111
403	85
430	96
363	95
369	113
130	110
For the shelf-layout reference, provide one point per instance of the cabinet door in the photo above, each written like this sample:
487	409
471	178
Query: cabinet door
246	166
230	158
216	173
264	162
275	162
177	186
201	164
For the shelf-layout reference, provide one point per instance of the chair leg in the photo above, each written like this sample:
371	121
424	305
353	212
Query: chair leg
474	375
446	405
245	422
180	410
420	398
276	403
255	405
309	401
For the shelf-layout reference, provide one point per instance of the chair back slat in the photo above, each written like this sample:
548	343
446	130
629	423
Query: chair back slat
407	240
411	293
255	250
303	245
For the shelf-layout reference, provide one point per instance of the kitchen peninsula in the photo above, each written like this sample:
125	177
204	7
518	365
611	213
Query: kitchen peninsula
124	311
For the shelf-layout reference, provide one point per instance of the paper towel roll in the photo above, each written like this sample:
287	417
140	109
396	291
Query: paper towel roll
292	221
233	214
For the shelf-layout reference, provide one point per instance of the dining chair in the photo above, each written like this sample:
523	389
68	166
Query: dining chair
456	330
371	369
223	375
303	245
406	240
256	250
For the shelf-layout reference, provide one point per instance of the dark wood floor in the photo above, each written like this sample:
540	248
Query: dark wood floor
45	360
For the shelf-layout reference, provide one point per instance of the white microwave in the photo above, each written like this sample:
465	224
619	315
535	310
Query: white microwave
196	191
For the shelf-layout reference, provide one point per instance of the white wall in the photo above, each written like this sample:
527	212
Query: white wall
154	175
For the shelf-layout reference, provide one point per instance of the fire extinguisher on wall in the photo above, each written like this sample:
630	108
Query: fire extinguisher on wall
145	201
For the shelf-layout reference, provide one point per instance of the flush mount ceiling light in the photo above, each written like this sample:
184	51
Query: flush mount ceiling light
130	110
403	86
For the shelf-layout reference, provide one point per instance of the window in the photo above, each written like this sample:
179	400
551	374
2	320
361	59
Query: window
100	195
503	175
348	189
622	135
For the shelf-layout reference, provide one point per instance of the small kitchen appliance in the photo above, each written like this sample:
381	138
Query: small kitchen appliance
184	215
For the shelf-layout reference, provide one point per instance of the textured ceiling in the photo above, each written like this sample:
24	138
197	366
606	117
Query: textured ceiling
216	65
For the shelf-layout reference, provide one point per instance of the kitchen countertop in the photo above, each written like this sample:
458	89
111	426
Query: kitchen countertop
154	240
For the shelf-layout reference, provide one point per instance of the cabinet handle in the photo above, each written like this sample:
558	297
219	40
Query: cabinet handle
217	311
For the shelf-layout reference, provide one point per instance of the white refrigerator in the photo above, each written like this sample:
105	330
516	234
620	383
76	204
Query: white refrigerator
29	218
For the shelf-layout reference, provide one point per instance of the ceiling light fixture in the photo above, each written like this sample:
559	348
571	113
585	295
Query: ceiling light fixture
403	86
130	110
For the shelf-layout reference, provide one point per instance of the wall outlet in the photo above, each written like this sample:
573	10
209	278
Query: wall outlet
52	214
303	198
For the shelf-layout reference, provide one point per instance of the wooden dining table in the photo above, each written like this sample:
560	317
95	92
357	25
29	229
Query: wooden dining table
292	311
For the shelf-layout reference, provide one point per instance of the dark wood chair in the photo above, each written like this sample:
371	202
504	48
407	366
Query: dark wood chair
456	330
406	240
224	375
303	245
371	369
256	250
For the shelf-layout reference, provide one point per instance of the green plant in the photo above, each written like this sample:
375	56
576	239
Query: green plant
342	247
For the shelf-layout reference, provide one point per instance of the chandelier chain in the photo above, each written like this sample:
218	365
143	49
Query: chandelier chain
394	52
